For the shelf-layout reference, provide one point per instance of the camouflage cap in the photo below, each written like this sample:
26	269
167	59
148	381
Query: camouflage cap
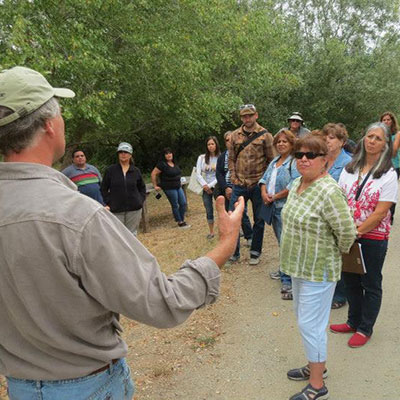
126	147
24	90
247	109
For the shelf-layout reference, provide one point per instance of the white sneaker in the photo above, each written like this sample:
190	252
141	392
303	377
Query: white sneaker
254	260
248	242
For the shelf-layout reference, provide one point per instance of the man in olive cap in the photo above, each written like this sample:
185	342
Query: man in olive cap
250	152
68	266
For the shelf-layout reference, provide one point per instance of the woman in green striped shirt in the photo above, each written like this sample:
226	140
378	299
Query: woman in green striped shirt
317	227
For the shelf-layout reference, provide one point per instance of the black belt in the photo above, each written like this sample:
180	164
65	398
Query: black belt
114	361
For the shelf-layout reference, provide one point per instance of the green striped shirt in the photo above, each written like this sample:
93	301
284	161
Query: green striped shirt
317	227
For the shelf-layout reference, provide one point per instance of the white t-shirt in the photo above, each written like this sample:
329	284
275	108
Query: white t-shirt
272	181
374	191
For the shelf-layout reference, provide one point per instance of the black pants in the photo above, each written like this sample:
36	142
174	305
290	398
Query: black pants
364	292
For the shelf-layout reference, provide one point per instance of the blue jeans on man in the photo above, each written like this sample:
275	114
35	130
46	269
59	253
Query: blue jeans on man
177	199
254	195
113	383
246	225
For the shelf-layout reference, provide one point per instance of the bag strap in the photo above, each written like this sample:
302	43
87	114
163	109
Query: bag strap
248	141
360	188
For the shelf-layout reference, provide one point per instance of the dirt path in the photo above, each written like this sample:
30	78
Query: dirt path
260	342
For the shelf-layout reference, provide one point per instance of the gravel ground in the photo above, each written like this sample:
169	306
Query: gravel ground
260	342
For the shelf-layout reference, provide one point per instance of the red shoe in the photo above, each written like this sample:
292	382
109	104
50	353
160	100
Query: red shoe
358	340
341	328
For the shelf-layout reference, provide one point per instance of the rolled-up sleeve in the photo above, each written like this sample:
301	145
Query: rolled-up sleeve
121	274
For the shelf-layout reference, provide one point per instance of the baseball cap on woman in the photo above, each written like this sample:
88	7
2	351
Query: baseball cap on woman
24	90
123	146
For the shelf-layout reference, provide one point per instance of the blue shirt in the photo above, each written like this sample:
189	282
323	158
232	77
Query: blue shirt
286	173
341	161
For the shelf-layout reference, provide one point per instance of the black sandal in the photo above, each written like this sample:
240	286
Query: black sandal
287	295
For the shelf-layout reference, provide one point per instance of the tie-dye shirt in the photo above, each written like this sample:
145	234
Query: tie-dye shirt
317	227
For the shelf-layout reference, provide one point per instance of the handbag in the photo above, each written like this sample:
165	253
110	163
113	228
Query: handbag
194	186
267	212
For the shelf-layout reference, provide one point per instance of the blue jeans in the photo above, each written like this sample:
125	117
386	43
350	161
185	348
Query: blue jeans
208	205
277	224
340	291
254	195
277	227
364	292
177	199
113	384
246	225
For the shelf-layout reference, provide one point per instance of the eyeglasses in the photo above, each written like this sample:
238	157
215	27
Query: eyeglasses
309	155
251	106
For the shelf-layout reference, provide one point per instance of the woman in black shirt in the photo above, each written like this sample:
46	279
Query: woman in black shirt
169	175
123	189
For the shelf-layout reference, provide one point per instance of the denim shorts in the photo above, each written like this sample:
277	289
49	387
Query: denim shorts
114	383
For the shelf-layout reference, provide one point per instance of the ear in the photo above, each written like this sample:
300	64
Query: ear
49	127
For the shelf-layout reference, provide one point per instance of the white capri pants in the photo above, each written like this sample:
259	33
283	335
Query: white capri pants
312	306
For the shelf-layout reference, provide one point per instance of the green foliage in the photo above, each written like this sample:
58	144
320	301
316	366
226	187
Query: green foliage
172	72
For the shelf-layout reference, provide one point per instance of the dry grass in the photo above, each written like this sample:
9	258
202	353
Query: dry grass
170	244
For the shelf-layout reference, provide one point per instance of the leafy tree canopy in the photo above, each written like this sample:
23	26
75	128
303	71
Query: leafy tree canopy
170	73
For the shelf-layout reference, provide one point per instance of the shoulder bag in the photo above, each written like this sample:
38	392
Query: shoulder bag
194	186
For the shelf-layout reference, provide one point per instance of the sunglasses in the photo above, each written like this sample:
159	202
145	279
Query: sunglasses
309	155
251	106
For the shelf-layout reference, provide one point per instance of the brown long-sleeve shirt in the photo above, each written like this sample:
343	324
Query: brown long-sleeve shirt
248	167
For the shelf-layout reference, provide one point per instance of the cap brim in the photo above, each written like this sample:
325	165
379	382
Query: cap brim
61	92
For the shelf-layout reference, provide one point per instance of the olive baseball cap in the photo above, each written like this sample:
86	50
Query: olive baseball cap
24	90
